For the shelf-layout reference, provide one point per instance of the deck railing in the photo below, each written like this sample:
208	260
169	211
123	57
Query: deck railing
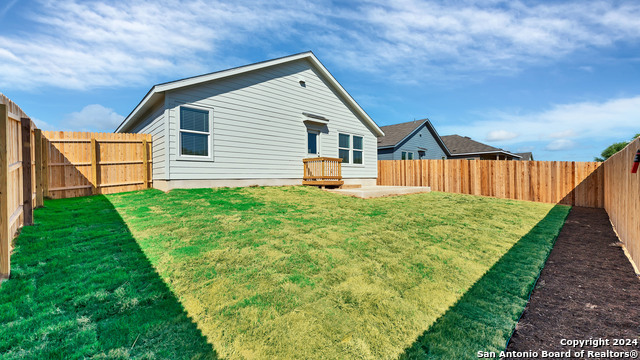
322	171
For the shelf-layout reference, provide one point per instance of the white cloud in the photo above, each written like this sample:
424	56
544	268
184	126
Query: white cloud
447	41
560	144
42	125
526	149
587	124
84	44
563	134
611	118
93	117
501	135
91	44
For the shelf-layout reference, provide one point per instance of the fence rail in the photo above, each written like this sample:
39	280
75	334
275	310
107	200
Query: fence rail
571	183
83	163
622	192
36	164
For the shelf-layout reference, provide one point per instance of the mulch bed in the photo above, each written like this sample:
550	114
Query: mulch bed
587	289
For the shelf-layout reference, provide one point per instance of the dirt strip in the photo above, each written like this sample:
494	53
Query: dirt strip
587	290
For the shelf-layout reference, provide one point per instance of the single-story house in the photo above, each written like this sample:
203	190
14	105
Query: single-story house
253	125
463	147
527	156
411	140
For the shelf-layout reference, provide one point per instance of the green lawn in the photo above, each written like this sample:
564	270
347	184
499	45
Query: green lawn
284	272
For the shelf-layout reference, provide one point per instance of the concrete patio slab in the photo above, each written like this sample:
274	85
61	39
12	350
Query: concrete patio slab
368	192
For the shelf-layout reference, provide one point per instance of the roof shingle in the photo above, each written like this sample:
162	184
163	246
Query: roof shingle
393	134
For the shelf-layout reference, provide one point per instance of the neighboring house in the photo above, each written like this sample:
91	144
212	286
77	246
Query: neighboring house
412	140
463	147
253	125
528	156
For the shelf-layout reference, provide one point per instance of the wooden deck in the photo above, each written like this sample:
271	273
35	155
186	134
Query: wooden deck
322	171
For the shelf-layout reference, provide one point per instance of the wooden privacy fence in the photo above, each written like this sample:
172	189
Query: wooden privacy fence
83	163
622	197
571	183
36	164
17	173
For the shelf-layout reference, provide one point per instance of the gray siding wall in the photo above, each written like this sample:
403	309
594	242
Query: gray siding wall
385	154
154	124
424	139
258	129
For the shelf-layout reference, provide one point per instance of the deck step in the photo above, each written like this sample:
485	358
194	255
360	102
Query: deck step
351	186
323	182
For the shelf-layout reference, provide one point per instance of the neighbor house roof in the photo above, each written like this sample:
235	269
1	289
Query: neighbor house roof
525	155
397	133
157	91
464	145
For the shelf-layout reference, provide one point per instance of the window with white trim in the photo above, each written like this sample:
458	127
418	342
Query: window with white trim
313	142
195	132
407	155
350	148
357	149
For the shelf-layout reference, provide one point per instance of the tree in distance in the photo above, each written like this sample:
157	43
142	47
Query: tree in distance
614	148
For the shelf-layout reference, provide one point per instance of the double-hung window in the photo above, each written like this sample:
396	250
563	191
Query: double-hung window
350	148
195	133
407	155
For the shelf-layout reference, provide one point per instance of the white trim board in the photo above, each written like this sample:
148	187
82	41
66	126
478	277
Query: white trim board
158	90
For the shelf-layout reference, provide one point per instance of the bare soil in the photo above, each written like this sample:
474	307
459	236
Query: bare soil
587	290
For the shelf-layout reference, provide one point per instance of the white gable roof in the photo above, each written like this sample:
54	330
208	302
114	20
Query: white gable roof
157	91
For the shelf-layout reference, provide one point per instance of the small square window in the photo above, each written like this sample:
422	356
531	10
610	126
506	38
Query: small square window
194	119
344	141
357	157
357	142
344	155
194	144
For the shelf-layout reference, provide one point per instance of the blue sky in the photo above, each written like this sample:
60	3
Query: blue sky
558	78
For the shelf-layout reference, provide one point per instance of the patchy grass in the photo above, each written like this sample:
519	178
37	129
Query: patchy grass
289	272
295	272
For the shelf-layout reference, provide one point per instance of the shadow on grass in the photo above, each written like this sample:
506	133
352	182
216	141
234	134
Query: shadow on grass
484	318
82	287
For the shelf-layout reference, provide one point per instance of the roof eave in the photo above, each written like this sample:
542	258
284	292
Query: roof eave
486	152
252	67
438	138
430	128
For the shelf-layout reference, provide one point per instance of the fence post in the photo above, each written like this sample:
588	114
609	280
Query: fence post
37	147
94	165
45	167
145	162
5	265
27	204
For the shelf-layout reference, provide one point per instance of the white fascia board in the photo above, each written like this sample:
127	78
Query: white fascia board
252	67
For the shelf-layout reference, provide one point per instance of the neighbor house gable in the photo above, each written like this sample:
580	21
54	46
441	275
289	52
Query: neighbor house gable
402	135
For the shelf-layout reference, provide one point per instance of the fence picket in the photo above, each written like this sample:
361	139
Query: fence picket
82	163
572	183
